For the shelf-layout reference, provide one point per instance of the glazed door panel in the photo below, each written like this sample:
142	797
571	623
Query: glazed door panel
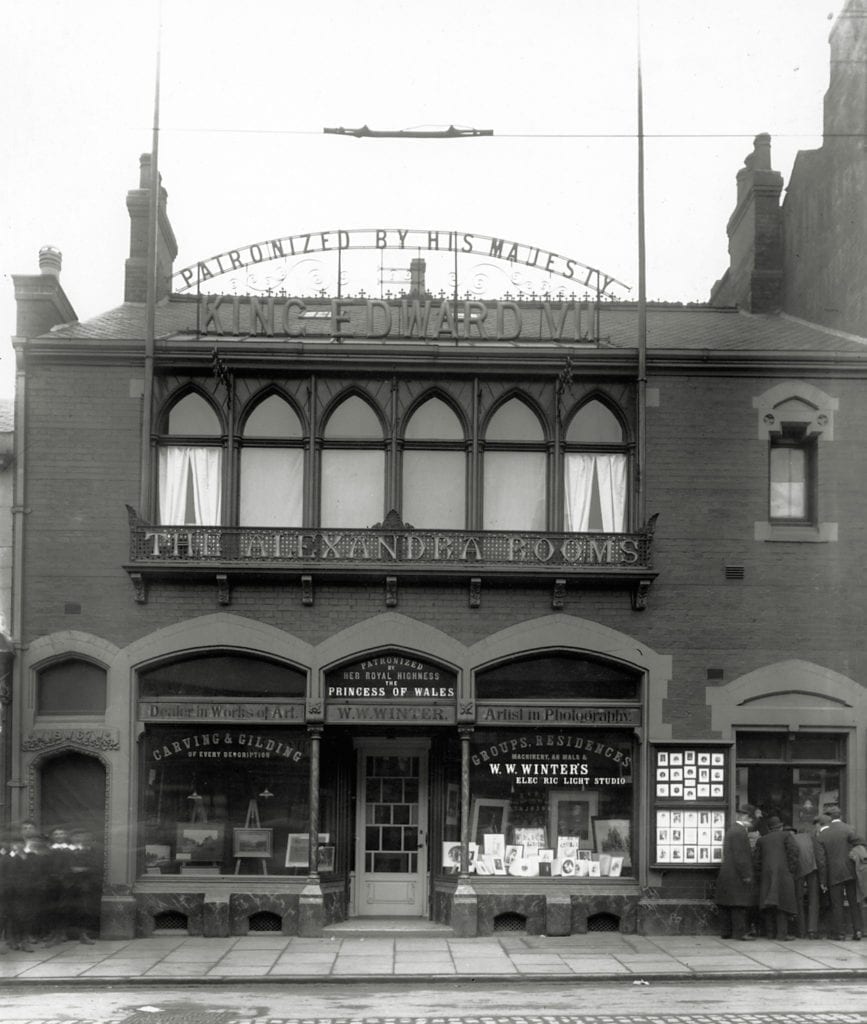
391	858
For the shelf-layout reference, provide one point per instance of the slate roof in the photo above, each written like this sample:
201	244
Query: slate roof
672	327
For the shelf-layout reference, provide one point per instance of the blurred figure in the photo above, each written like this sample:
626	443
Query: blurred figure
776	862
811	867
85	887
734	887
838	840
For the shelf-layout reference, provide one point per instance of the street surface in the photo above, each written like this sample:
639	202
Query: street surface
520	1002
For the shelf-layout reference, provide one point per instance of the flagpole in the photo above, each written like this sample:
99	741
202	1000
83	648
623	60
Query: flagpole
151	289
641	503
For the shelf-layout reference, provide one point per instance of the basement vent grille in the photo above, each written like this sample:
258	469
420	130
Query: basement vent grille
735	572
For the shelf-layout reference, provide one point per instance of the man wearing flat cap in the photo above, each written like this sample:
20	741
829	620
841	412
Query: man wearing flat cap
838	839
734	887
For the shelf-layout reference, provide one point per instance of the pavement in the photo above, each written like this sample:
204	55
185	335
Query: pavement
507	957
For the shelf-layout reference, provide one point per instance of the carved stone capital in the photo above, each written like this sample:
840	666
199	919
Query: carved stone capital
89	739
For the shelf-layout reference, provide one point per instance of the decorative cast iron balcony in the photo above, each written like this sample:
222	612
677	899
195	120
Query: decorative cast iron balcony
391	549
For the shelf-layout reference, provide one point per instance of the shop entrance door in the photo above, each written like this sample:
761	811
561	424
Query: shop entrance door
391	829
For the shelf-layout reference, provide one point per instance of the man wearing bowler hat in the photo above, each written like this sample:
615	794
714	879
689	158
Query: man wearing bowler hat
837	840
734	887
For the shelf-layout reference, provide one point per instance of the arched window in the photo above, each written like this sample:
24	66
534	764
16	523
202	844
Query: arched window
514	469
353	467
71	687
595	471
272	466
190	465
434	468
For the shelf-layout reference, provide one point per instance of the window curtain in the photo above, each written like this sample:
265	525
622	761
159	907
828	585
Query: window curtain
184	473
606	473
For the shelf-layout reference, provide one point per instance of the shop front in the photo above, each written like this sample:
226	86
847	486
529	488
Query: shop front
253	816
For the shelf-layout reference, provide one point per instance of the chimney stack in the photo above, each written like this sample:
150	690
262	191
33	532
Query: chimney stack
416	277
137	202
753	281
42	302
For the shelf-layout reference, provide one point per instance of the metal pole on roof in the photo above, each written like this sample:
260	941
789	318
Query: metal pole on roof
151	290
641	426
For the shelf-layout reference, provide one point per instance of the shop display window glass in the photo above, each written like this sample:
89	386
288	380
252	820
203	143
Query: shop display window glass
225	800
551	803
222	674
792	776
558	675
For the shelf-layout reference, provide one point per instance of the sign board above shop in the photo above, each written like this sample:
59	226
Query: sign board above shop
393	689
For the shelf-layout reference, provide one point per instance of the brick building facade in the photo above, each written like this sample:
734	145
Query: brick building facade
333	607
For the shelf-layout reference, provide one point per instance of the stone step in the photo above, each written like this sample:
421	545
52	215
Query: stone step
387	927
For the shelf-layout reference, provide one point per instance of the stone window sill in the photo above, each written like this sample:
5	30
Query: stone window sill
824	533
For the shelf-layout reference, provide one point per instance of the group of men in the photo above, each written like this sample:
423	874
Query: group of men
772	877
49	887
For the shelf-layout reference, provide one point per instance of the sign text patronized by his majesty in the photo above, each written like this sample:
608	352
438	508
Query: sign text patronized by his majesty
410	240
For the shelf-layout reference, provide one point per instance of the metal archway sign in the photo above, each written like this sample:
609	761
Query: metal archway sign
416	241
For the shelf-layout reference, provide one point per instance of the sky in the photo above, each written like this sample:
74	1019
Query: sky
246	90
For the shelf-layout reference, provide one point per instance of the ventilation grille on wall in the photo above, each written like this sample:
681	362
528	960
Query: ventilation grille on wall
735	572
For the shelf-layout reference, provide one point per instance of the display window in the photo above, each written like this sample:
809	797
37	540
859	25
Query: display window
227	800
792	776
551	803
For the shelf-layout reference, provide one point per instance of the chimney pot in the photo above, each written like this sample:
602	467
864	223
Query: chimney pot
50	260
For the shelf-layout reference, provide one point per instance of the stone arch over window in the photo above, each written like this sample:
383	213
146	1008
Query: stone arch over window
795	401
795	420
515	448
272	447
566	633
798	696
434	466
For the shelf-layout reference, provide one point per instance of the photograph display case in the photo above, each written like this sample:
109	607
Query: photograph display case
689	784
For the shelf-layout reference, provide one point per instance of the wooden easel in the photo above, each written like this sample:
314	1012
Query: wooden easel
252	821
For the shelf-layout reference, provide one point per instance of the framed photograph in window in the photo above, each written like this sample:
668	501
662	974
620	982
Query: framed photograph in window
158	855
298	850
571	815
325	858
199	842
612	836
252	842
489	817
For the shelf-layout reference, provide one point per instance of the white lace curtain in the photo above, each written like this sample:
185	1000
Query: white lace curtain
607	475
190	478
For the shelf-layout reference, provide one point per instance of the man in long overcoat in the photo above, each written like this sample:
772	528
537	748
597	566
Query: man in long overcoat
776	860
734	887
838	839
